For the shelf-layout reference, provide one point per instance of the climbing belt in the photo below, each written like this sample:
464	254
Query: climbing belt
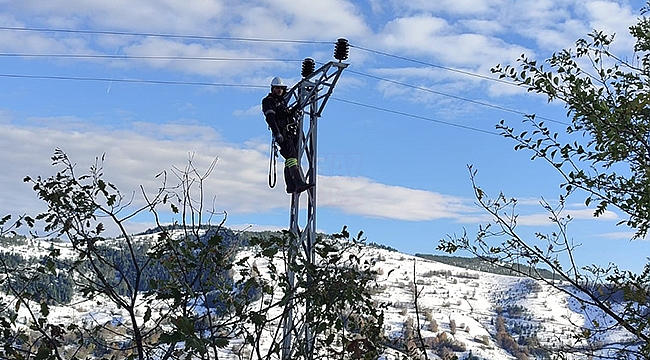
273	164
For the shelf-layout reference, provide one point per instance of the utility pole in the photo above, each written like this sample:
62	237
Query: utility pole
308	97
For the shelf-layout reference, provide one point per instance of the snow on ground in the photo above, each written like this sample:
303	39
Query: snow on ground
473	300
463	303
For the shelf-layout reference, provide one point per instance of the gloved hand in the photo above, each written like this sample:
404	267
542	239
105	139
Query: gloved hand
278	138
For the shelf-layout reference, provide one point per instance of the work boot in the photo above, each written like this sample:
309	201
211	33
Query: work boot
291	187
298	180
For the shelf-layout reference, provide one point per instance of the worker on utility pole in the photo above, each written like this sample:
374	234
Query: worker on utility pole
284	127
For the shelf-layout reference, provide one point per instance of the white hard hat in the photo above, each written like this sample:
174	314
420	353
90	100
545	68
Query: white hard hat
277	82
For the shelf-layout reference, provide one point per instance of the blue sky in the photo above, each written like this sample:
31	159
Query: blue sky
403	180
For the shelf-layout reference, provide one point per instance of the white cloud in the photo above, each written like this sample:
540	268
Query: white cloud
556	25
238	184
363	196
149	15
281	19
484	26
457	7
255	110
527	208
133	158
35	43
376	6
495	31
622	235
528	213
586	214
613	18
435	37
415	33
610	17
219	66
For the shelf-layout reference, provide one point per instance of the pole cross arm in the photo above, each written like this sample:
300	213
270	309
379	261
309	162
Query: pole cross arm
315	88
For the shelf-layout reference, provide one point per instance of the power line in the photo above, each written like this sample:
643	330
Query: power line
482	103
245	39
463	72
172	36
467	73
414	116
250	39
193	83
139	81
210	58
146	57
228	38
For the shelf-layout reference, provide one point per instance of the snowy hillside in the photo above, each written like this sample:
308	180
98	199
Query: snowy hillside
465	304
474	314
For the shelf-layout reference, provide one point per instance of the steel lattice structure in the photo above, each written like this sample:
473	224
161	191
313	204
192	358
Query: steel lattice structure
307	98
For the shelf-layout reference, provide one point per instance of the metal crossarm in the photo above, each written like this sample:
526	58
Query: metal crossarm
310	88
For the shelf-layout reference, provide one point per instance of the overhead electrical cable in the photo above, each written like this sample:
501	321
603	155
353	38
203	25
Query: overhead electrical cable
210	58
244	39
141	81
463	72
193	83
171	36
482	103
251	39
146	57
414	116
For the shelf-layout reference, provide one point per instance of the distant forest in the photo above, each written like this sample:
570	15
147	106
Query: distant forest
56	286
486	266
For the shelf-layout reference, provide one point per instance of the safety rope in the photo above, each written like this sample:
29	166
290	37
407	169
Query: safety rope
273	164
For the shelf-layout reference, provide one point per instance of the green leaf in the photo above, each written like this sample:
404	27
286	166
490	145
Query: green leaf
215	240
329	340
270	252
221	343
147	314
45	310
171	338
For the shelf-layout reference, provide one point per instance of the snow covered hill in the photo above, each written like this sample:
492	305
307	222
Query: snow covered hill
474	314
466	304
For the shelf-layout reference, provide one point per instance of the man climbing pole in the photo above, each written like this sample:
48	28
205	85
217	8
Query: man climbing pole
282	123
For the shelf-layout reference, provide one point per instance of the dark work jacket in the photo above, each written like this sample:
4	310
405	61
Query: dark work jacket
277	114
